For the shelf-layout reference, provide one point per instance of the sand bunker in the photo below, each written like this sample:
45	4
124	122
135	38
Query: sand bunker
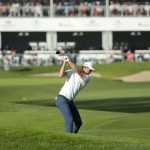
46	75
143	76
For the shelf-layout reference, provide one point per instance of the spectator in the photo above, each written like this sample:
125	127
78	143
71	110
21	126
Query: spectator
38	10
15	9
83	9
13	51
5	61
5	9
147	8
130	56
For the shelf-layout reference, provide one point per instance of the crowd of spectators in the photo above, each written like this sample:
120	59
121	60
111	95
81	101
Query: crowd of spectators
129	8
41	8
45	58
24	8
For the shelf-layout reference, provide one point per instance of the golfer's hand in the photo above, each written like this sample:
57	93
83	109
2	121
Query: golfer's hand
66	59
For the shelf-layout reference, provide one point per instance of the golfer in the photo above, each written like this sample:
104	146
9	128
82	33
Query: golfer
76	80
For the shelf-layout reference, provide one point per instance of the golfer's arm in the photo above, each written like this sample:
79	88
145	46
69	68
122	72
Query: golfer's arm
73	66
62	72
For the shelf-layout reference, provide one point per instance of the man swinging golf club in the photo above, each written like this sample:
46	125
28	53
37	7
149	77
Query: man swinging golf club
76	80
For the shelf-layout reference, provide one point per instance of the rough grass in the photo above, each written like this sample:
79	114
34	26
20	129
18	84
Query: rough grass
34	140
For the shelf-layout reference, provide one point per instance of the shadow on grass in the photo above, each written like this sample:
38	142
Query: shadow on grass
127	105
26	69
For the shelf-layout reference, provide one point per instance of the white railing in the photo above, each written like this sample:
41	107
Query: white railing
141	55
45	58
99	57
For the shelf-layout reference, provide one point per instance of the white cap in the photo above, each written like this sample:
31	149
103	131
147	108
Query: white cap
89	65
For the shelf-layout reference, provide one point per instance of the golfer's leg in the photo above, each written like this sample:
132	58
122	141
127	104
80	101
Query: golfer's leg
66	112
76	118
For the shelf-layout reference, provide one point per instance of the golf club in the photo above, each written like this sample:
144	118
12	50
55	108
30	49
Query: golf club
59	53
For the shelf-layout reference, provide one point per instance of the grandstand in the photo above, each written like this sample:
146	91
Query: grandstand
100	30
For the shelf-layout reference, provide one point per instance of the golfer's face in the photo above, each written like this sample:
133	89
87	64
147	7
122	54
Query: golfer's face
87	70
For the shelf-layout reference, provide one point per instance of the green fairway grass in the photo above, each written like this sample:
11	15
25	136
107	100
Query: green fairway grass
115	114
